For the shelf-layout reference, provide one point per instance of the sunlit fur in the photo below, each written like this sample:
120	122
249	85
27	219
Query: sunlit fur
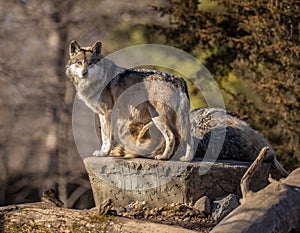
100	82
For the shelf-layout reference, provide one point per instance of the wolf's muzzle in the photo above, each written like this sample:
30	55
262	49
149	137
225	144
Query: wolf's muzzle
84	74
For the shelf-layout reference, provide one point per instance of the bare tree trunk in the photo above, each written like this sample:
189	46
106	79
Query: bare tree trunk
3	178
4	170
66	96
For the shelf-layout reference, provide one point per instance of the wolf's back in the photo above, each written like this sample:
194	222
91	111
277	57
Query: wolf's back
164	93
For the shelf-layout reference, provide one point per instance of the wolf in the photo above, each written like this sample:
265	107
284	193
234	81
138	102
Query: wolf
240	141
157	101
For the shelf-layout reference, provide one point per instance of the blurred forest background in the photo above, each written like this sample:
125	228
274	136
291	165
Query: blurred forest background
251	48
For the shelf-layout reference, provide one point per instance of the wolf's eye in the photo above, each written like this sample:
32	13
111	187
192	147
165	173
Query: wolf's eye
79	63
90	63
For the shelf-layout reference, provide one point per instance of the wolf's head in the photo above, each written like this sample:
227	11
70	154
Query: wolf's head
82	61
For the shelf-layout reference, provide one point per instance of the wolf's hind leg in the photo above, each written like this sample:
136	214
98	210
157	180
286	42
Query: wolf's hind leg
168	135
187	140
189	153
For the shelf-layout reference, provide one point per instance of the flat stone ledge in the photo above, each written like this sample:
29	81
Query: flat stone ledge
159	182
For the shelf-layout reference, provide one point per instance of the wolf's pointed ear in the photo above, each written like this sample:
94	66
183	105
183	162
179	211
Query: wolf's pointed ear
73	48
96	48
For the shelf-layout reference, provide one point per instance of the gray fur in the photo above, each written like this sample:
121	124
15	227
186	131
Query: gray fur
114	93
241	141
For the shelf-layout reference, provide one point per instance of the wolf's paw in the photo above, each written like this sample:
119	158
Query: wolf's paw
185	159
160	157
100	153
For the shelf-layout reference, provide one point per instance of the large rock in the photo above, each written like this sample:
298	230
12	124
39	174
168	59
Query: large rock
222	206
159	182
276	208
203	205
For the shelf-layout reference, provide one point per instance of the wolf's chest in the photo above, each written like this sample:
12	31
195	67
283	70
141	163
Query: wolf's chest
90	102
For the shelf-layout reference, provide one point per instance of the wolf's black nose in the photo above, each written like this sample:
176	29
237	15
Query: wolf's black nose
84	73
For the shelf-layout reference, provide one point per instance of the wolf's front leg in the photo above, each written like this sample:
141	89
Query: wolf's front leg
105	123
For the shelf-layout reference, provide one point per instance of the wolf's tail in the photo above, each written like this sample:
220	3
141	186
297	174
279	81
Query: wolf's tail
280	168
277	169
120	151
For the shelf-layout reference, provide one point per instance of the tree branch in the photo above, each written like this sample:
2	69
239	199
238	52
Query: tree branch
245	181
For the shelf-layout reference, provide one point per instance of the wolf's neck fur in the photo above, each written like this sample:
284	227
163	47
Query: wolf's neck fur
90	89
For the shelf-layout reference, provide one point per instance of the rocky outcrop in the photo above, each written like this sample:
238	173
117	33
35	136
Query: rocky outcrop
165	182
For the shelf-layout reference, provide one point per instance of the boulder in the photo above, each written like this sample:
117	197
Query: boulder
158	182
203	205
222	206
276	208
